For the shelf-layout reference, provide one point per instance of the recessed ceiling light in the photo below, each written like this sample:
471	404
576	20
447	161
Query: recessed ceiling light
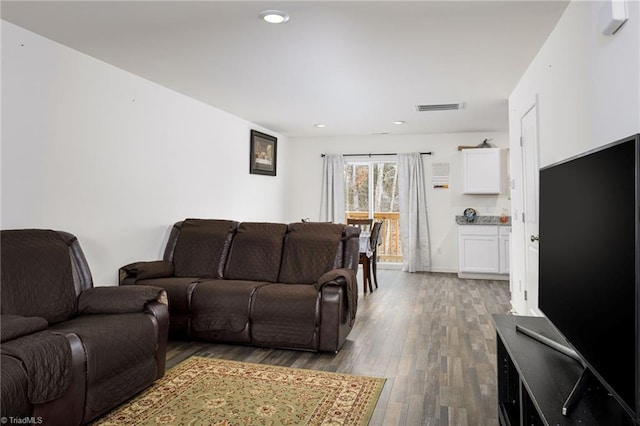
274	16
320	125
399	122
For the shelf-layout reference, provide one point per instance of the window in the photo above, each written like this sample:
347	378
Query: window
371	190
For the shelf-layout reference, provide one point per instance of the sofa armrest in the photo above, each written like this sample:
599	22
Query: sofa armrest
343	277
119	300
69	408
159	311
133	272
14	326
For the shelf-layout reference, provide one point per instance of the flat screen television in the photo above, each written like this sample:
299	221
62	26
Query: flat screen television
589	262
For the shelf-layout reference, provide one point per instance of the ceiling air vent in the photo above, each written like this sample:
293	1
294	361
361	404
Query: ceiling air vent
438	107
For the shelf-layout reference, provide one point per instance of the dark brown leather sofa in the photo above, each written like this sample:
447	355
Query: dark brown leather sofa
266	284
71	352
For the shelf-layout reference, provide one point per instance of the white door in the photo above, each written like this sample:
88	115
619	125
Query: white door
530	186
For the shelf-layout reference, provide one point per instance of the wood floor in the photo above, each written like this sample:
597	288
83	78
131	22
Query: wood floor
430	335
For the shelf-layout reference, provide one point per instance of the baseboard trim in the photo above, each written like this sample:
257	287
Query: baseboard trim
472	276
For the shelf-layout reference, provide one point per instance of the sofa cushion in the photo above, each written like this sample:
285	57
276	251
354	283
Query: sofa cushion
285	315
120	352
310	250
36	275
220	308
255	252
202	247
179	291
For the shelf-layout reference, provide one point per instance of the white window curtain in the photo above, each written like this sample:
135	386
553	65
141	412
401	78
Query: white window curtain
414	230
332	199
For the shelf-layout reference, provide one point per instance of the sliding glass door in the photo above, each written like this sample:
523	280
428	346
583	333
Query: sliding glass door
371	190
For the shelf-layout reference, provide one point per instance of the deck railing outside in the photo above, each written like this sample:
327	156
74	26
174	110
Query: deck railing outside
390	249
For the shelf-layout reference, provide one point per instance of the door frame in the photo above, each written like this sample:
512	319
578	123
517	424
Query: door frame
531	288
518	269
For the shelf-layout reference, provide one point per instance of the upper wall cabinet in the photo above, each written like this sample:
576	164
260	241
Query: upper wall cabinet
482	169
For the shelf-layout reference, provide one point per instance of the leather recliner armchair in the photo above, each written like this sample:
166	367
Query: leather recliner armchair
70	351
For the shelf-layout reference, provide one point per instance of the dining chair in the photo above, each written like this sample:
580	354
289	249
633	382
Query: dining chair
374	241
365	228
363	224
369	258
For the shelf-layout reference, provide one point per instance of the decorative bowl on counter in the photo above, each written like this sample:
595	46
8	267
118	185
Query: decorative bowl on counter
470	214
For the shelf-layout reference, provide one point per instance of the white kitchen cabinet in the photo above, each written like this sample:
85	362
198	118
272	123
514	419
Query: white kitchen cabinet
483	249
482	169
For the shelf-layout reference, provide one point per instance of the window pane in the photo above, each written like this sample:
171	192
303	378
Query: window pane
383	205
385	209
385	189
357	188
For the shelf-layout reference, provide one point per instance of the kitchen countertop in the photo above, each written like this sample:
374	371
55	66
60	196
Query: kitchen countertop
483	220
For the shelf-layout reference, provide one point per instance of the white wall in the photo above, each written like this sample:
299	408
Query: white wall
115	159
587	87
444	204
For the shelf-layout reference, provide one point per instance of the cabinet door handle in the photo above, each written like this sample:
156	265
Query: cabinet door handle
535	238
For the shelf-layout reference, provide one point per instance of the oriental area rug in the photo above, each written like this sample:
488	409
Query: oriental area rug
208	391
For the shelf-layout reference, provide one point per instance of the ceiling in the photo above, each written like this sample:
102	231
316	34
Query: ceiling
354	66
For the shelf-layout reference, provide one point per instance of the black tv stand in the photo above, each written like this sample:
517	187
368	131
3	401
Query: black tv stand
534	380
583	380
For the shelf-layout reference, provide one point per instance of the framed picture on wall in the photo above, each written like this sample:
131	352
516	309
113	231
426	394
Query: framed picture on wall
263	154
